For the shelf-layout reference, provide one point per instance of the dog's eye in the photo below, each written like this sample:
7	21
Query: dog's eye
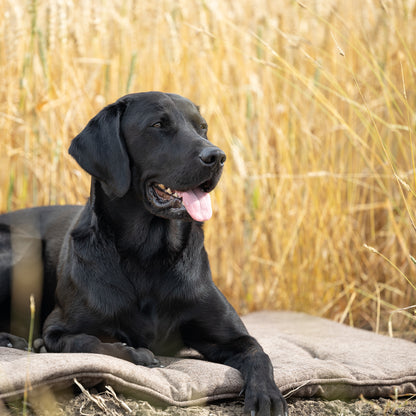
158	125
204	126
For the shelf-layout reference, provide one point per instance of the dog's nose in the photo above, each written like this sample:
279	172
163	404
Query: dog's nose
211	156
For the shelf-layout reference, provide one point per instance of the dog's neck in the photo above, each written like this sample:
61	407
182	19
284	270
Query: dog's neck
135	230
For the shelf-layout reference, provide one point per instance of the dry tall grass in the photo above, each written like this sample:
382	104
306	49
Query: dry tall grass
313	101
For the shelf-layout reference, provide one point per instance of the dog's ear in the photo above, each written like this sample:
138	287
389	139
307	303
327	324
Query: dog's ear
100	150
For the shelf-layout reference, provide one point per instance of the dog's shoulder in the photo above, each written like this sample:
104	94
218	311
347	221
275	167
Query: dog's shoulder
89	263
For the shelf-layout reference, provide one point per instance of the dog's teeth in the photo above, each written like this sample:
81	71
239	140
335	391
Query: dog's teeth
168	191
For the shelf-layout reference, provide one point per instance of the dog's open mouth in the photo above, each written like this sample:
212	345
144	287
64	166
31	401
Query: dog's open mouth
197	202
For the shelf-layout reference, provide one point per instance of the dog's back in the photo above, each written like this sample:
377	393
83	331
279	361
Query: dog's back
30	242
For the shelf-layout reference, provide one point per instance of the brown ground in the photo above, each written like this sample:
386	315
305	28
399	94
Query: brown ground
296	408
106	404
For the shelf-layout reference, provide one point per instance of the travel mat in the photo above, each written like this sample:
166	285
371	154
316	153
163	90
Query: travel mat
312	357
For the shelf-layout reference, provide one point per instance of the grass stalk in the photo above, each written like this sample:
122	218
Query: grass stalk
373	250
29	350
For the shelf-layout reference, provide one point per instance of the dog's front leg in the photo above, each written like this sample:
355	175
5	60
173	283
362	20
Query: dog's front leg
261	393
223	338
59	337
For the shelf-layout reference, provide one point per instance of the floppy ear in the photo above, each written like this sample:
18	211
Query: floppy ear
100	150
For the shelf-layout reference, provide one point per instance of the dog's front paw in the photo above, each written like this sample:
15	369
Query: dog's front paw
264	399
146	358
12	341
139	356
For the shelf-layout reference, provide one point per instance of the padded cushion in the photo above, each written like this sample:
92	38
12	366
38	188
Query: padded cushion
311	357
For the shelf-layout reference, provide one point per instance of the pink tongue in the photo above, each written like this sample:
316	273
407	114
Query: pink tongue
197	203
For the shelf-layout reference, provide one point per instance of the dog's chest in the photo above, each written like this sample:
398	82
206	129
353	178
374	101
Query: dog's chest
153	326
163	298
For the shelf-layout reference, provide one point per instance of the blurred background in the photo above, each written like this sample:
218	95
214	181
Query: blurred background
313	102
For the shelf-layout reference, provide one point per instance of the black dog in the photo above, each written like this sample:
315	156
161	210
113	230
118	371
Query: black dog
130	269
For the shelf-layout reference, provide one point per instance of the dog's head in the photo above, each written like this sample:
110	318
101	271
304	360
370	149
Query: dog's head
155	145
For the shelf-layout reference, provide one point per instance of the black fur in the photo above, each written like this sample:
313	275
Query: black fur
131	273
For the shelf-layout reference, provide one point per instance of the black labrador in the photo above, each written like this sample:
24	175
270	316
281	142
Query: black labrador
129	270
